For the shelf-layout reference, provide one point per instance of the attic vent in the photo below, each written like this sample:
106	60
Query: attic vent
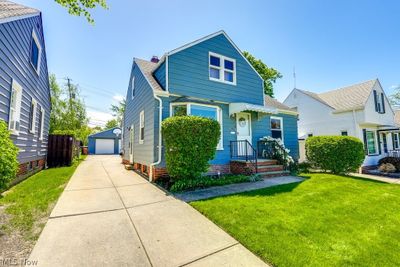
154	59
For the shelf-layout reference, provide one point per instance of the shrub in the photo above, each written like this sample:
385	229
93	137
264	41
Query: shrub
392	160
190	142
338	154
8	157
304	167
387	167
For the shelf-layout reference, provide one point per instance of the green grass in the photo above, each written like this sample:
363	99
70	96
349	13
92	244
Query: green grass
327	220
31	201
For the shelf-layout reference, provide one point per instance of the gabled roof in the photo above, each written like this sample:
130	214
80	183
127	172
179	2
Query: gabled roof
147	68
109	133
10	11
346	98
272	102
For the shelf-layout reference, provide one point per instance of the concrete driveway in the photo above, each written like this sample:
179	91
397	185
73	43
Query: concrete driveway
108	216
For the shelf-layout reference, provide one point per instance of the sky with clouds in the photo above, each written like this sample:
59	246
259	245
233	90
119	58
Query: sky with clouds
330	43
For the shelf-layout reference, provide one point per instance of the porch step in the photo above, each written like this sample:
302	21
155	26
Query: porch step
270	174
269	168
266	162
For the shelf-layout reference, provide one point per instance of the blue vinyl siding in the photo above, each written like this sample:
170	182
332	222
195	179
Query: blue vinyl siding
290	133
189	74
143	100
15	64
160	75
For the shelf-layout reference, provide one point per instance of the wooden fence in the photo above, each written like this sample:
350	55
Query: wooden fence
62	149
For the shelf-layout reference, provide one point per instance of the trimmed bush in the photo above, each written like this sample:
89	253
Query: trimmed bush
392	160
338	154
8	157
190	142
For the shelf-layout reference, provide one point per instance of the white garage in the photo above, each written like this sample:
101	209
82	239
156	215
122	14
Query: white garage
104	146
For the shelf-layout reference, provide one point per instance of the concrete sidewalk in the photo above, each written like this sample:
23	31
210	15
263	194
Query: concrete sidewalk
108	216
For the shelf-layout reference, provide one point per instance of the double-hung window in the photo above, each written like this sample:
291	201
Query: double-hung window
222	69
15	108
371	144
201	110
36	52
41	126
141	127
277	128
395	137
32	116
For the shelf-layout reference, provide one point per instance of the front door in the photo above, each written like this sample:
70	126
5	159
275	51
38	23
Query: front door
243	128
131	140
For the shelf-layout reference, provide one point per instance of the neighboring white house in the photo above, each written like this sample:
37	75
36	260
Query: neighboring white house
361	110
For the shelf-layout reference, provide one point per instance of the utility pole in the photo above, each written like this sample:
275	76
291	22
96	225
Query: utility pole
69	92
294	76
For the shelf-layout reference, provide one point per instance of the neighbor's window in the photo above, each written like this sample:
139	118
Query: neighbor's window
395	137
200	110
371	145
222	69
141	127
41	128
310	135
133	87
344	133
276	128
32	116
36	52
15	108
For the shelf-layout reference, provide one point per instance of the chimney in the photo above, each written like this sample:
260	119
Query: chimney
154	59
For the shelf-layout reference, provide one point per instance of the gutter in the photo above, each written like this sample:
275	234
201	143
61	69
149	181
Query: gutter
159	139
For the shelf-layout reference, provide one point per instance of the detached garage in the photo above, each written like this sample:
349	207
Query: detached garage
105	142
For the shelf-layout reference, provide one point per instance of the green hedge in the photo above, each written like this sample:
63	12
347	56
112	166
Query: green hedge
190	143
8	157
338	154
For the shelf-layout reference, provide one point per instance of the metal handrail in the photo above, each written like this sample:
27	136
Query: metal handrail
271	149
243	150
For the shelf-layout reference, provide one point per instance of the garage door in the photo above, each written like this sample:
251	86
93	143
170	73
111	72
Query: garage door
104	146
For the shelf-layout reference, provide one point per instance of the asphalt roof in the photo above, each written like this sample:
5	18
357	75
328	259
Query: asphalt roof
10	9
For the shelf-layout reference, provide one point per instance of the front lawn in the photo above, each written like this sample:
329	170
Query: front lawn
326	220
24	209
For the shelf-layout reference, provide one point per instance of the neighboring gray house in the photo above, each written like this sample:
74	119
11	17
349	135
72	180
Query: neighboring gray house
24	83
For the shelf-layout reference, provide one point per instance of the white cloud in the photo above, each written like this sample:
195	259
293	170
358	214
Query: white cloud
98	118
118	97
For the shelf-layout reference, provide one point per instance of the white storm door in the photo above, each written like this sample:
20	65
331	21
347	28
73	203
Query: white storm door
243	128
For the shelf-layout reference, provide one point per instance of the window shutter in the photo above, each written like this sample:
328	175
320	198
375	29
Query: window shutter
393	145
376	101
378	136
383	102
365	141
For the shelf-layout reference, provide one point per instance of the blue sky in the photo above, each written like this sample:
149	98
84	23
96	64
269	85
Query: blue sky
331	44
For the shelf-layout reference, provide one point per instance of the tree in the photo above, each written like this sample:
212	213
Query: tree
270	75
81	7
111	124
118	111
395	97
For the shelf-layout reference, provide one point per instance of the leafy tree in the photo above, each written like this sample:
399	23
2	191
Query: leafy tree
270	75
97	129
111	124
118	111
395	97
8	157
81	7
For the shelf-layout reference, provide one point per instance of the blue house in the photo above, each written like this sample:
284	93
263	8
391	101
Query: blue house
24	83
105	142
208	77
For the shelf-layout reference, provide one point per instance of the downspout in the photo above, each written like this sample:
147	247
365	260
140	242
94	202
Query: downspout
159	138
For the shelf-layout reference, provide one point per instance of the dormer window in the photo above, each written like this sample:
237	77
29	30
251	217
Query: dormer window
222	69
36	52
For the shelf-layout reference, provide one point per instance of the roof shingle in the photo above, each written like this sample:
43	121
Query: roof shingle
9	9
272	102
147	69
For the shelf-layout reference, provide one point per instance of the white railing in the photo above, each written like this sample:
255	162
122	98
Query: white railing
394	153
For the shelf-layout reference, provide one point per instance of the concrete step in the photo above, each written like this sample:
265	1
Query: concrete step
273	174
266	162
269	168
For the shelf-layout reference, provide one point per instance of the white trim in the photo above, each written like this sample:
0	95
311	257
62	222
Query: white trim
37	42
188	105
34	111
133	87
288	112
159	138
141	125
16	110
166	75
41	130
375	141
221	68
281	120
14	18
250	125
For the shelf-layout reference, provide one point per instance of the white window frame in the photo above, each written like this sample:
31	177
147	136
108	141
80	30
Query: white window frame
133	88
396	141
41	130
36	40
141	125
270	126
34	111
221	68
375	142
188	105
14	118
